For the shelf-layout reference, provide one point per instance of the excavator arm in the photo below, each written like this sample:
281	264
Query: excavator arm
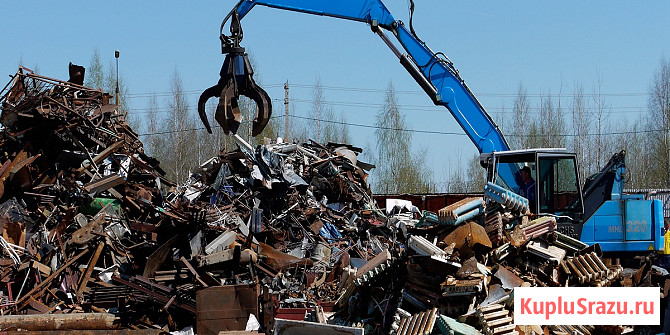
436	75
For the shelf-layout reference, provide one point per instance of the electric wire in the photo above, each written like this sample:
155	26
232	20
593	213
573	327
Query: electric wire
422	131
415	92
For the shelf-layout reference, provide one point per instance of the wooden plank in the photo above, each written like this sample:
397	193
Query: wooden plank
45	270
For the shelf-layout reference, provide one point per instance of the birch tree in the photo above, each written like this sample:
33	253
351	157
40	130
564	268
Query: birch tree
327	126
602	151
659	112
521	119
181	154
399	168
581	124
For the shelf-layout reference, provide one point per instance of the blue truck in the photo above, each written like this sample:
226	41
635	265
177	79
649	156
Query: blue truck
597	213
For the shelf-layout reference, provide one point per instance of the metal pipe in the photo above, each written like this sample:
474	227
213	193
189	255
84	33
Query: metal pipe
469	206
243	143
468	216
505	197
409	65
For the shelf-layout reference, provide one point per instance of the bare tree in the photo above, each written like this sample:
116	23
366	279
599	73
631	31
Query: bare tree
476	175
105	79
399	168
550	123
343	133
456	179
326	127
639	166
318	106
155	140
659	112
329	131
95	73
581	125
502	120
601	113
181	138
521	119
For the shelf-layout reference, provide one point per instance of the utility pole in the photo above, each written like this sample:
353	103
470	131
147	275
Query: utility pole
286	110
116	55
250	123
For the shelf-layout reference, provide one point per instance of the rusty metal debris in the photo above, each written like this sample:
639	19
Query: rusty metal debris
276	238
495	319
418	324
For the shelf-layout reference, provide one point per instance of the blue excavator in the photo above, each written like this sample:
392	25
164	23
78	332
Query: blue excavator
599	212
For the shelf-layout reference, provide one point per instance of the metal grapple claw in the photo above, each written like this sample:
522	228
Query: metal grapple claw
236	79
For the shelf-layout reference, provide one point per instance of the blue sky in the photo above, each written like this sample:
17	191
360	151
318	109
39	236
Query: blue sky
495	45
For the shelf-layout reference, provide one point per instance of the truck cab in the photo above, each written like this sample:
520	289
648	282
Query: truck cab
598	213
556	183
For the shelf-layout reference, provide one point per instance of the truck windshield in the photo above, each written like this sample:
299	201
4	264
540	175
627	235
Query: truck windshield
558	187
518	185
515	167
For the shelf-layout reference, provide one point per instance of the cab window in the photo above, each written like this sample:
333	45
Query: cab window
558	187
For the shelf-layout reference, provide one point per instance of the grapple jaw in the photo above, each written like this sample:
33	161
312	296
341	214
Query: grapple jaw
236	79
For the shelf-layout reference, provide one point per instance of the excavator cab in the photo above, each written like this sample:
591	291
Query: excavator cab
554	189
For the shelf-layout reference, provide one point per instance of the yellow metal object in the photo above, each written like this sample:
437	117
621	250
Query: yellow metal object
666	243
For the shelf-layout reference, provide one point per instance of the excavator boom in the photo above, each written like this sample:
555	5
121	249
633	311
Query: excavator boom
436	75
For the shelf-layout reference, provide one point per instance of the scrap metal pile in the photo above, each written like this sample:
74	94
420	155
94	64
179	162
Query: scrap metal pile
253	239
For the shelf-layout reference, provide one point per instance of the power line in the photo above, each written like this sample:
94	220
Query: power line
186	92
532	95
462	134
591	134
378	127
622	109
420	131
193	129
413	92
423	108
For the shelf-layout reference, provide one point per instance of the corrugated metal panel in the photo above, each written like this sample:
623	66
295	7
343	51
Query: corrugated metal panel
418	324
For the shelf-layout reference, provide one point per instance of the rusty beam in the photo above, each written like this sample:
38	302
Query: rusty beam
36	322
155	295
104	183
89	269
51	277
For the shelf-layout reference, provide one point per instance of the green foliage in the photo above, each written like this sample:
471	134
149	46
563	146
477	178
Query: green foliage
469	180
95	73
